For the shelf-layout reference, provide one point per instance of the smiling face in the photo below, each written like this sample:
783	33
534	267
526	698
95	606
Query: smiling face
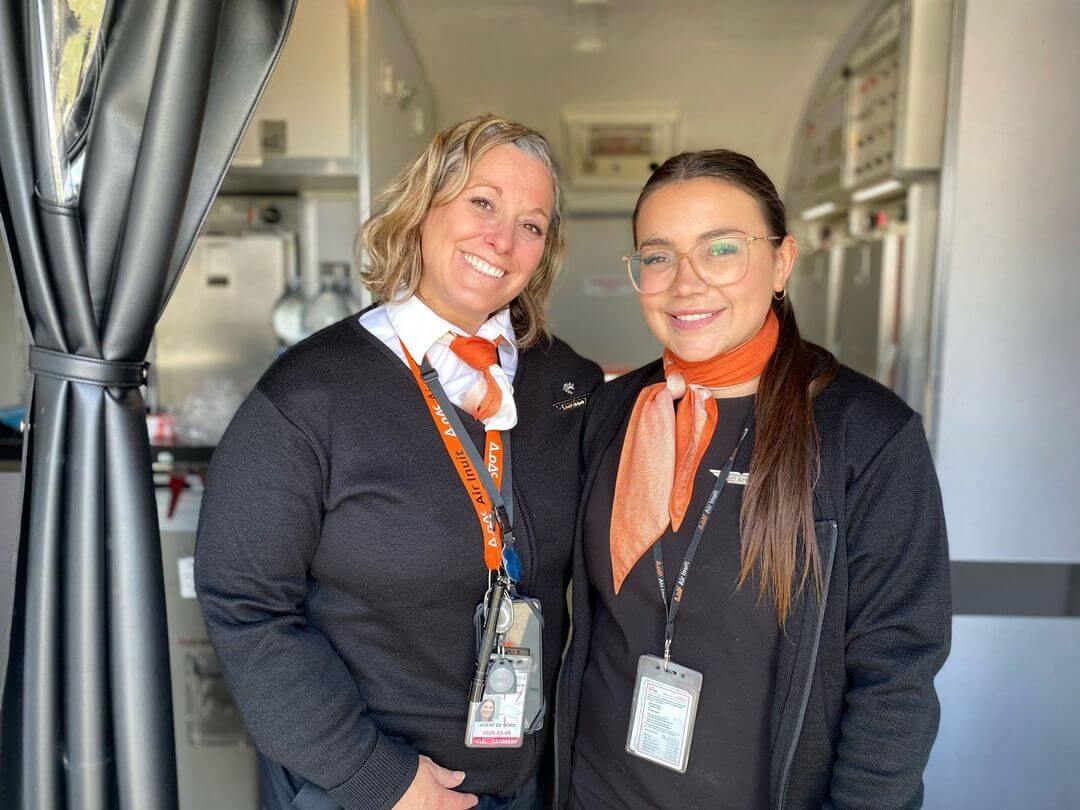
692	319
480	249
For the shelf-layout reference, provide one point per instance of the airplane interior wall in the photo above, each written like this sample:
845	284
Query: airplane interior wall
1005	375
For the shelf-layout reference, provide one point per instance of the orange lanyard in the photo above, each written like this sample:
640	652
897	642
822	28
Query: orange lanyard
493	456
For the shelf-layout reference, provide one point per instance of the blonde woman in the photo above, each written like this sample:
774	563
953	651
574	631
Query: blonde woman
358	524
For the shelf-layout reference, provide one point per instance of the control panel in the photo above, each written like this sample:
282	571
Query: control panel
864	193
872	99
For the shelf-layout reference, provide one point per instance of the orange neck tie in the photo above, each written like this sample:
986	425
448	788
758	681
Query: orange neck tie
484	399
664	445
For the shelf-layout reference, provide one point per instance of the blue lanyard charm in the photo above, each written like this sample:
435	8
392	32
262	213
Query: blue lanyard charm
511	562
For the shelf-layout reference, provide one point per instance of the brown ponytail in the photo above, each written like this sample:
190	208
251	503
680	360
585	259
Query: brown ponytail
779	547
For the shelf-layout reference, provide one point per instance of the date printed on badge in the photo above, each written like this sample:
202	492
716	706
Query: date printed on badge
497	721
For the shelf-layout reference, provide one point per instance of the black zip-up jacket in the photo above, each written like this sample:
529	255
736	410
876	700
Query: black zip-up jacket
855	712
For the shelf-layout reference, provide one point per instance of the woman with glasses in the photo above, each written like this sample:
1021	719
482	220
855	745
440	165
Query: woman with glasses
760	592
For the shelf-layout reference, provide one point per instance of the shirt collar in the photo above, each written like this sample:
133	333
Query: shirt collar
419	327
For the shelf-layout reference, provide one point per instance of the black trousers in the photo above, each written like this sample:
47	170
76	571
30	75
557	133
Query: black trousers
282	790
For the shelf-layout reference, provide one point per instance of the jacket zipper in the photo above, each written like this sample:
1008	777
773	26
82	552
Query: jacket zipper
523	513
557	777
789	757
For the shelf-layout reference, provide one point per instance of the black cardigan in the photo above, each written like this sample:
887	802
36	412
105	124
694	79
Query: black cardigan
339	561
855	712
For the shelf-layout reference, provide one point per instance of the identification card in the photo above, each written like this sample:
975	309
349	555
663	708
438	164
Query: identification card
498	720
662	713
520	630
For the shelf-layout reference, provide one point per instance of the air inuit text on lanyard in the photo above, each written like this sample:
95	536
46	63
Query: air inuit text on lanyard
666	695
481	480
506	696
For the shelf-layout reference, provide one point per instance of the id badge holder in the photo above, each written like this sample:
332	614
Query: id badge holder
662	713
520	633
498	719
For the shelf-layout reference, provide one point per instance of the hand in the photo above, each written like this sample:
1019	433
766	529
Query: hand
433	789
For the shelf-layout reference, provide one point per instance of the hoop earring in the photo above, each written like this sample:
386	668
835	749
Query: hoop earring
781	297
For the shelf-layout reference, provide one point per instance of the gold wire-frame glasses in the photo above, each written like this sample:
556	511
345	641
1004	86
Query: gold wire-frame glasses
718	261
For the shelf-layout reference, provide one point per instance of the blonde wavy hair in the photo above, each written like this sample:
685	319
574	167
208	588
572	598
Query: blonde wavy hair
392	236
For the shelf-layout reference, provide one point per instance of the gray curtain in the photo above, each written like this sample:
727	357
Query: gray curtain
117	121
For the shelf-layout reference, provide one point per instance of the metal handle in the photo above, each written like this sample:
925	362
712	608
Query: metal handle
487	642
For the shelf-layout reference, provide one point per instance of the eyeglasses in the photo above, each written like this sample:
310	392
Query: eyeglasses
718	261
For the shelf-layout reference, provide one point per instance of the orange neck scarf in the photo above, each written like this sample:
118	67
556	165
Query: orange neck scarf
485	398
664	445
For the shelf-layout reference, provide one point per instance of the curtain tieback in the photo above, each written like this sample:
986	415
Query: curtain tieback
108	373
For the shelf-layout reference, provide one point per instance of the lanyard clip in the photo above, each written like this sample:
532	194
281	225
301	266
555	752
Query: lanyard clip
503	517
667	653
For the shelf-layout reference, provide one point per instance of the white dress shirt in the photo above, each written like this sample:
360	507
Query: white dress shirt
423	332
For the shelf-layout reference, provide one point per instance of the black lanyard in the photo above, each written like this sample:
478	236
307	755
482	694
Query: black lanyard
671	608
503	503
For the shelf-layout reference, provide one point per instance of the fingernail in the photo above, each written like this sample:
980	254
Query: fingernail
459	775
